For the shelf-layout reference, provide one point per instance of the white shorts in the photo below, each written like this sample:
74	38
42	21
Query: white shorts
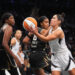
62	61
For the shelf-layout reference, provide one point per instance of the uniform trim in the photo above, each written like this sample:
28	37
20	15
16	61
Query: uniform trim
69	63
53	65
59	41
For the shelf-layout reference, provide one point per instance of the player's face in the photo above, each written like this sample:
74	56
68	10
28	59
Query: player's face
45	23
11	20
18	34
54	21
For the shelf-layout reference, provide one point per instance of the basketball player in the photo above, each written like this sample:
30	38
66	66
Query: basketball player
5	52
61	57
38	54
15	42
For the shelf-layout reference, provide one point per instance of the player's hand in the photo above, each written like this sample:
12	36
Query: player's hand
33	30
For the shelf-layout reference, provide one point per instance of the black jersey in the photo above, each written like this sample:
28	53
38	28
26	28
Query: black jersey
1	39
38	57
6	59
36	43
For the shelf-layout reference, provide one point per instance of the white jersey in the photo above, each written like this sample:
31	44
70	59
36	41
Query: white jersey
62	57
22	55
15	48
57	45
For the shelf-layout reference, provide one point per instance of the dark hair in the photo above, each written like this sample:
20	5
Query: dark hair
61	17
5	17
41	19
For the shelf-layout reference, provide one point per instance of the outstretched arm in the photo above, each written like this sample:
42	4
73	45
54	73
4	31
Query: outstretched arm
50	37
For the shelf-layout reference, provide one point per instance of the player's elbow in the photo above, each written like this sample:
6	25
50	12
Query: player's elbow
26	40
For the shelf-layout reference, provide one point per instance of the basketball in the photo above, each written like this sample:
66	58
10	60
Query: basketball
29	22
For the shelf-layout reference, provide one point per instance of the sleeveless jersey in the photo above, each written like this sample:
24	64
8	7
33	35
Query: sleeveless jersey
15	48
37	44
1	35
6	59
57	45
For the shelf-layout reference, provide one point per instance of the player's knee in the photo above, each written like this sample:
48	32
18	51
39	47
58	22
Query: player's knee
72	72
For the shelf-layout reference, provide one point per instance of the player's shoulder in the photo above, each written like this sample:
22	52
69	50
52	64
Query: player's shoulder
60	30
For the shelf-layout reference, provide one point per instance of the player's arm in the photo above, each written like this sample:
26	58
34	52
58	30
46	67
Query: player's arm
50	37
13	41
27	38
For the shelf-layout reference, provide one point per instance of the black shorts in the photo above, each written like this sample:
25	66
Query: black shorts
5	60
38	59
